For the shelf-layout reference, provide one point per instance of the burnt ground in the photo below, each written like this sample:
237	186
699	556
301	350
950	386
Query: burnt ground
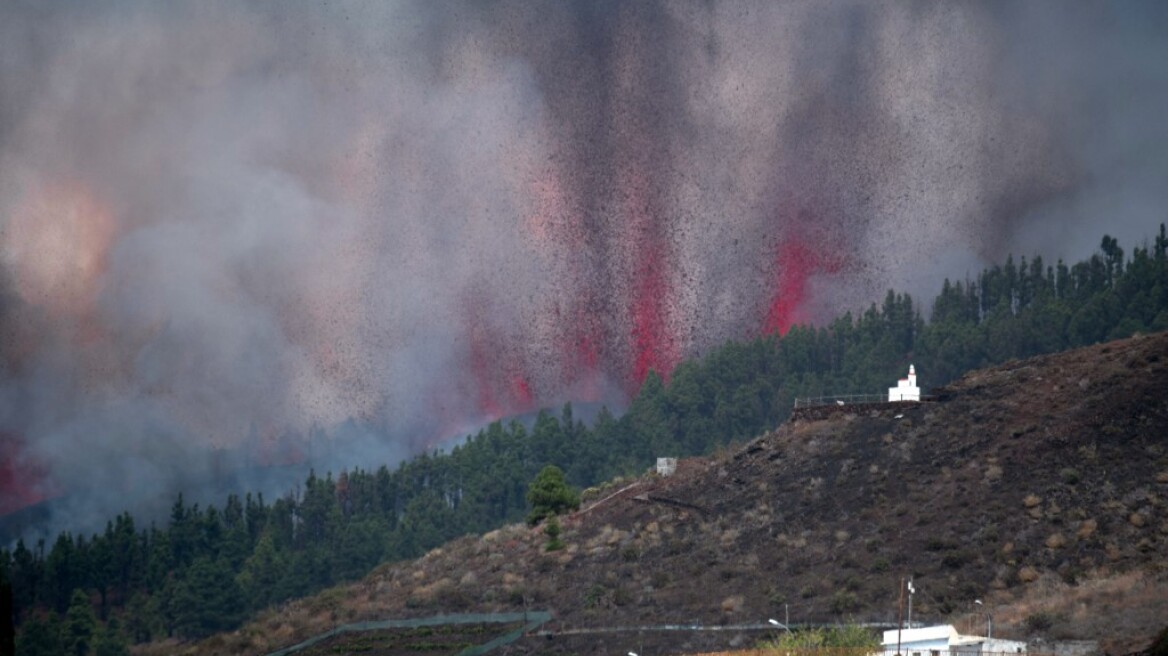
1038	486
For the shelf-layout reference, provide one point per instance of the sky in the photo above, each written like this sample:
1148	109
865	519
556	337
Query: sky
227	223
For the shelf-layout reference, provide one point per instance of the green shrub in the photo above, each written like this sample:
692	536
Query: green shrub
938	544
453	598
844	602
594	595
1039	622
956	559
517	596
775	597
848	636
622	597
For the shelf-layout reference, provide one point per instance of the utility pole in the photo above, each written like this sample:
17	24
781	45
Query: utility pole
911	592
989	619
900	616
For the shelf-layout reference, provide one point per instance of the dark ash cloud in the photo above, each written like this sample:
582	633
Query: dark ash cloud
229	226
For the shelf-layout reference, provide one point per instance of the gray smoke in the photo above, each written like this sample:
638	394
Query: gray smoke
225	224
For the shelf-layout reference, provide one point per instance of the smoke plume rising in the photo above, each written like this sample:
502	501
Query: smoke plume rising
225	223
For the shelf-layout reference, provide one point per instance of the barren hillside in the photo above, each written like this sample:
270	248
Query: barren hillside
1038	486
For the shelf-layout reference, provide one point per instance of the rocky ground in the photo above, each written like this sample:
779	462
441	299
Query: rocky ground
1038	486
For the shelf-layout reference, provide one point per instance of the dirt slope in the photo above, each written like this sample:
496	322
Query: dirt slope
1038	486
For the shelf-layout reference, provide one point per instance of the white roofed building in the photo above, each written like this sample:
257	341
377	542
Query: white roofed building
906	388
944	640
925	641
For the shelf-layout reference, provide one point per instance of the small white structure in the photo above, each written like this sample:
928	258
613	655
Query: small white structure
906	388
977	645
944	640
666	466
925	641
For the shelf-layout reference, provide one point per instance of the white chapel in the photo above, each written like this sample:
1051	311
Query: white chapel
906	388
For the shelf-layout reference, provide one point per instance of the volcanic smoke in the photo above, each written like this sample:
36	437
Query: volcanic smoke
228	227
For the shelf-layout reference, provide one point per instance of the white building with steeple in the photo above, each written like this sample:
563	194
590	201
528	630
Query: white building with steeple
906	388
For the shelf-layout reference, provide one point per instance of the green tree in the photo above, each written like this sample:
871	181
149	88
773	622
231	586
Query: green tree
255	515
648	420
41	636
144	618
26	573
207	600
110	641
80	625
360	544
552	530
236	543
262	573
61	573
318	512
549	494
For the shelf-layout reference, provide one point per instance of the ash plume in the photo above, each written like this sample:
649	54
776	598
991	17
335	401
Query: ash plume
225	224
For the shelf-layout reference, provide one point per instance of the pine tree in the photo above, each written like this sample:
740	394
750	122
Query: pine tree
207	600
41	636
110	641
550	495
262	574
80	625
144	618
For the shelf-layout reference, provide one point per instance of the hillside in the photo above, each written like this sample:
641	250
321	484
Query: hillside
1037	486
